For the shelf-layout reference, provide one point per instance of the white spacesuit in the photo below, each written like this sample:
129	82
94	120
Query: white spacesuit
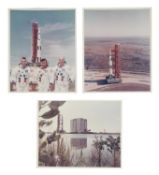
63	76
33	78
40	76
20	79
44	79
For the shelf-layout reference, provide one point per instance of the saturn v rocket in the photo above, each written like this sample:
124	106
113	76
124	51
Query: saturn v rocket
114	61
36	43
110	63
114	75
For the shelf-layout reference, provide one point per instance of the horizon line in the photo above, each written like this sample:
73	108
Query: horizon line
117	37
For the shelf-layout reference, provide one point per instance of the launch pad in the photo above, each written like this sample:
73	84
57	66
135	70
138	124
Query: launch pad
110	79
95	81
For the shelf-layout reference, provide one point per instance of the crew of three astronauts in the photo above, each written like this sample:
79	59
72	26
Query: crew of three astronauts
26	78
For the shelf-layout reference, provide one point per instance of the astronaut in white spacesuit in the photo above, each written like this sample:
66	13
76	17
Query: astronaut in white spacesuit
20	76
33	81
44	76
63	76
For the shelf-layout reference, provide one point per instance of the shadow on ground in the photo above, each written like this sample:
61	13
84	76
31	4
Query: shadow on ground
99	82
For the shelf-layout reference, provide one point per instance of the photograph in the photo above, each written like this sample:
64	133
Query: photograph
79	134
42	51
117	50
79	87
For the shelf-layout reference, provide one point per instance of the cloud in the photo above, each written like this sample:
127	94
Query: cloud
47	28
54	50
60	41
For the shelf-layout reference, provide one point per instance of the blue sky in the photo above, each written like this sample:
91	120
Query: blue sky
117	23
57	34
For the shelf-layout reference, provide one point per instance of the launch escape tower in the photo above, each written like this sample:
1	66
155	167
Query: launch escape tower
36	43
114	66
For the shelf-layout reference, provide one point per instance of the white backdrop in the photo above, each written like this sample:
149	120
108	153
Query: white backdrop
18	112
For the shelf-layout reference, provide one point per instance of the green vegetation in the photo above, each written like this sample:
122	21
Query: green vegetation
110	144
53	151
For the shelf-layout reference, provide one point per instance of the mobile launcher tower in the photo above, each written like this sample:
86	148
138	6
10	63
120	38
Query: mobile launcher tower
114	75
60	123
36	44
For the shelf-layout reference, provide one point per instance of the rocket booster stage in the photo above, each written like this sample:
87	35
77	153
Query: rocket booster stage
114	61
114	66
36	43
110	63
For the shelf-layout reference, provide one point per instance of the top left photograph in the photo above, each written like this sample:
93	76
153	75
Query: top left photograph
42	51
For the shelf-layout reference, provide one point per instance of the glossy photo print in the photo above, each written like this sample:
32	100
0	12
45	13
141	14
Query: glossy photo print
42	50
79	134
117	50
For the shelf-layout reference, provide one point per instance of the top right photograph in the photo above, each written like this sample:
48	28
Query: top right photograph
117	50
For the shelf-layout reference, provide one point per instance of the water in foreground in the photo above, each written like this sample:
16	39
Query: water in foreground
88	150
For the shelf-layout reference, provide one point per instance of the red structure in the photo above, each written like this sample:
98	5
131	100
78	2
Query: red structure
116	60
36	46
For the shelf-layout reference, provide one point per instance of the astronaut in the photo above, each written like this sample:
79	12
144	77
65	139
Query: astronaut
20	76
43	75
63	76
33	81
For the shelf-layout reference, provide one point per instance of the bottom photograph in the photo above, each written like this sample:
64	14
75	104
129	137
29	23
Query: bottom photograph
79	133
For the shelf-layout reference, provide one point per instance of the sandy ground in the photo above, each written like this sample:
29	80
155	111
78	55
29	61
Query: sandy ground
95	81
